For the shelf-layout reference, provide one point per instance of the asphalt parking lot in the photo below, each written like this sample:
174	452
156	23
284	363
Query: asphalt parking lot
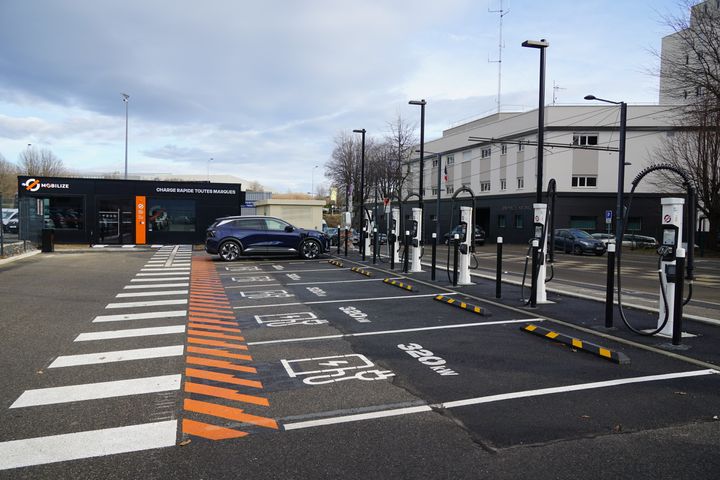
282	368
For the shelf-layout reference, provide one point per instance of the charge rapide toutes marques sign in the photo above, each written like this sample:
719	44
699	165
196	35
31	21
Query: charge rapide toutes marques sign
212	191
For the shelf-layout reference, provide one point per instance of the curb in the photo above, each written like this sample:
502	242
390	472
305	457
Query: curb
404	286
19	257
615	357
462	305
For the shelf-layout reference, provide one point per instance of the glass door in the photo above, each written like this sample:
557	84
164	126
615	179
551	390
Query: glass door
115	220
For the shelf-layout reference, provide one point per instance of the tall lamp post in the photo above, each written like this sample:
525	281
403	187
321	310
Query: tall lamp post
208	168
620	186
126	99
362	192
312	181
540	45
422	104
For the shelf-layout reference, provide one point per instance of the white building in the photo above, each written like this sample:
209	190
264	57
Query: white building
501	168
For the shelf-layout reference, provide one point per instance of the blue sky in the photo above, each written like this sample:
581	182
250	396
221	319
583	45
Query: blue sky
263	87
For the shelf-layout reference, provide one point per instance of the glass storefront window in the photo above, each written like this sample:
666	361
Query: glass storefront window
170	215
64	213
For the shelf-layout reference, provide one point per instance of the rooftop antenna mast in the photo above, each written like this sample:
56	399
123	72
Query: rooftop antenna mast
501	45
556	88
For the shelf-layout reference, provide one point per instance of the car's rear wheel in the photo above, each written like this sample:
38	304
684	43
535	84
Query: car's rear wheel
310	249
577	250
229	251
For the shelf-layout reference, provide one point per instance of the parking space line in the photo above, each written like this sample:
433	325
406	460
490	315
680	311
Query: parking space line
493	398
88	444
370	299
140	316
130	332
116	356
390	332
95	391
158	274
332	270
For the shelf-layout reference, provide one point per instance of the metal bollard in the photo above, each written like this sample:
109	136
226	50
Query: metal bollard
455	259
533	289
610	288
346	237
405	254
375	245
434	256
498	268
679	285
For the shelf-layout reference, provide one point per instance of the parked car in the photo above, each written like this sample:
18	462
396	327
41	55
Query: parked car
334	234
578	242
479	234
9	215
639	241
12	225
233	237
606	238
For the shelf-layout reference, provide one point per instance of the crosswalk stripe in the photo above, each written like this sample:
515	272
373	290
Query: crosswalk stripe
156	285
151	294
117	356
166	279
140	316
152	303
165	269
157	274
94	391
88	444
131	332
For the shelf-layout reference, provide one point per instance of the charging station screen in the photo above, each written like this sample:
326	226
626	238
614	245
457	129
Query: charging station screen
669	237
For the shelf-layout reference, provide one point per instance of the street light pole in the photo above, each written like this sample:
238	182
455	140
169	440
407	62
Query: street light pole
540	45
421	193
208	168
126	99
362	192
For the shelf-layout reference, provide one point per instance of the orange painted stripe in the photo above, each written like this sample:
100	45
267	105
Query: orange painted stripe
210	320
202	312
209	362
221	377
196	324
226	309
216	343
208	303
218	353
211	432
200	333
226	393
228	412
202	294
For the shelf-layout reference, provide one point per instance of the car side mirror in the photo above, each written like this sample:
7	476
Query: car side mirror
289	228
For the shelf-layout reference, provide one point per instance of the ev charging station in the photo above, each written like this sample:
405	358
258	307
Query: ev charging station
465	245
368	229
393	237
540	234
415	242
669	250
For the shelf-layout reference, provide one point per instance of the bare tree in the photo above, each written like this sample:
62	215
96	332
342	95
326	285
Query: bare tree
255	186
8	180
690	74
41	162
399	145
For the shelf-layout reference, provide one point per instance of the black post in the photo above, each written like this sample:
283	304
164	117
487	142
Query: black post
346	239
405	252
456	244
362	192
498	268
610	288
434	256
422	152
2	232
375	244
533	288
391	242
678	307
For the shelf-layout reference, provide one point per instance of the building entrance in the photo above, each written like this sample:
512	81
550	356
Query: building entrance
116	221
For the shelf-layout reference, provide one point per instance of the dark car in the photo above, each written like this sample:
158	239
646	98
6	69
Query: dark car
12	225
333	233
479	234
231	237
578	242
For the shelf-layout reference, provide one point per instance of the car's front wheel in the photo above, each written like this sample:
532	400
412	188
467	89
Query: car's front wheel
229	251
577	250
310	249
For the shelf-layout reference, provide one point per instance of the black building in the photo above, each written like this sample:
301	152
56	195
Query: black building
101	211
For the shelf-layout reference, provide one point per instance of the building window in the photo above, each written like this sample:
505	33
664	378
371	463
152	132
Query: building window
634	224
584	223
501	222
503	184
520	182
64	213
449	188
434	191
503	149
450	159
466	184
518	221
171	215
521	147
585	139
583	181
484	186
486	152
435	162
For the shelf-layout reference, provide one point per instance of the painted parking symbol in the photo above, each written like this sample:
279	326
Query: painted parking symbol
245	268
252	279
289	319
261	294
429	359
338	368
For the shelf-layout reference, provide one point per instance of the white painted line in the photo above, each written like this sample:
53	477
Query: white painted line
128	246
152	303
140	316
390	332
156	285
312	283
166	279
94	391
130	332
156	246
152	294
371	299
165	269
117	356
93	443
492	398
333	269
157	274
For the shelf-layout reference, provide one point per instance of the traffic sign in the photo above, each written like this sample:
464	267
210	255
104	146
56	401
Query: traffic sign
608	216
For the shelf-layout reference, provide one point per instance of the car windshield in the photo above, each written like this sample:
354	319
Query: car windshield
581	234
6	214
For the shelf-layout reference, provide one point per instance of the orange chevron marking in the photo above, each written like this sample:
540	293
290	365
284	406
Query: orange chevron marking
216	343
226	393
209	320
209	362
218	353
211	432
228	412
221	377
195	324
225	336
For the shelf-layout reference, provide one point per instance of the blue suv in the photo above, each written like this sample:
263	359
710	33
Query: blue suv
232	237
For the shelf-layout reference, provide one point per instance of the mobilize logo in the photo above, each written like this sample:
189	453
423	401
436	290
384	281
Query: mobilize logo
34	184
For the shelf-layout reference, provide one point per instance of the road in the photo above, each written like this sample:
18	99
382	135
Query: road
171	364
